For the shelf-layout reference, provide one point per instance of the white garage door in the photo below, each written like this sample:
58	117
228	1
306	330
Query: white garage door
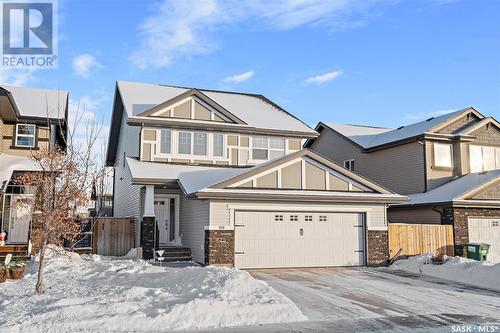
486	230
293	239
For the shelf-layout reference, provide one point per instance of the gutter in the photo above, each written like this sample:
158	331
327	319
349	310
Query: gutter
142	121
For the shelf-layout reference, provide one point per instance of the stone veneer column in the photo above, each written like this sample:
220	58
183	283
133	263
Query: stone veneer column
147	237
377	247
219	247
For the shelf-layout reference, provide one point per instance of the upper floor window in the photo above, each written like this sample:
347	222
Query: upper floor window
349	164
483	158
267	148
218	144
276	147
260	146
25	135
184	143
200	143
443	155
165	141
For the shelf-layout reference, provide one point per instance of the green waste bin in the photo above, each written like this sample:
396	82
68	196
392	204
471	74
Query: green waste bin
477	251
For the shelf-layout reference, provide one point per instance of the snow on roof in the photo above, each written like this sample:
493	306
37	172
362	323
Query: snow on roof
11	163
369	137
40	103
454	189
252	109
192	178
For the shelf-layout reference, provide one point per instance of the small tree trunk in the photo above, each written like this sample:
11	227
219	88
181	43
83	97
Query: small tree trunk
39	282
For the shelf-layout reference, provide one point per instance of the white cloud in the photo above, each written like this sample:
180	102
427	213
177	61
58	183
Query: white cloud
84	64
427	115
16	76
237	78
181	29
323	78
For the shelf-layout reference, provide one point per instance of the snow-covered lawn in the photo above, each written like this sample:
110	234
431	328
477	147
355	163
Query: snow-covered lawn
94	293
480	274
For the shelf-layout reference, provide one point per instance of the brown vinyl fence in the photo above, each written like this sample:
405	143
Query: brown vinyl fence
113	236
414	239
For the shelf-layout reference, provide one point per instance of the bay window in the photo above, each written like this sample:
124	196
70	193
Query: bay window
25	135
484	158
443	155
184	146
200	143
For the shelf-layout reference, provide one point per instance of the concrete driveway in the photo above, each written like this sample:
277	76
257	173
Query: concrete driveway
376	299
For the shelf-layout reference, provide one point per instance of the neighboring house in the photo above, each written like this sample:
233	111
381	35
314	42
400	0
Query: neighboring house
102	194
30	119
223	173
446	165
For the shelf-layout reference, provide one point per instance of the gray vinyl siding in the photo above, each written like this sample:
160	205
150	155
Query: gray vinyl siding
400	168
417	215
220	210
193	219
126	197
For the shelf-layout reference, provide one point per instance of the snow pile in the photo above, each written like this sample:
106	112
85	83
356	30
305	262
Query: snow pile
481	274
98	293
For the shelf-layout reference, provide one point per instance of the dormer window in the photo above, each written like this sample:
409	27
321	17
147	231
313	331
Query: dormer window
25	135
443	155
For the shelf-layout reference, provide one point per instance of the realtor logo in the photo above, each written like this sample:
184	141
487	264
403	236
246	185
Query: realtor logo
29	33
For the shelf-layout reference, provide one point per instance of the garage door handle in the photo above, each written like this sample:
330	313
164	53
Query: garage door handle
239	252
239	225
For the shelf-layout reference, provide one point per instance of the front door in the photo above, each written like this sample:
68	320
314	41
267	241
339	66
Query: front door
20	217
162	213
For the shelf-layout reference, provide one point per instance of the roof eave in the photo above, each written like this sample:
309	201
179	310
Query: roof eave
199	124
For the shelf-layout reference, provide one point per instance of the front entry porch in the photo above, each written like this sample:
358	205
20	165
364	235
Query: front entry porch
160	230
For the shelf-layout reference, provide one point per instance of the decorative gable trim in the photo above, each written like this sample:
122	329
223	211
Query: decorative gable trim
308	159
449	121
487	191
194	95
484	122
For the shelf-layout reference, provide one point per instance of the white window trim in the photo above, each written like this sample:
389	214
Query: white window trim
434	155
206	144
496	149
252	160
190	145
26	136
352	160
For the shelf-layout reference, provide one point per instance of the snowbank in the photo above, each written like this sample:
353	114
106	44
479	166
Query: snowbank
103	294
480	274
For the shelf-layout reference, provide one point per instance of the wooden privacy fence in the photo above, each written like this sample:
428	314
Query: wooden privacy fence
113	236
414	239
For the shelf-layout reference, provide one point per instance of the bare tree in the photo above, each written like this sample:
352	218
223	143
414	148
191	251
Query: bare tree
62	185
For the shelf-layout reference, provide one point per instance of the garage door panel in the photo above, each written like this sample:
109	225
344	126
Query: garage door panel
288	239
486	230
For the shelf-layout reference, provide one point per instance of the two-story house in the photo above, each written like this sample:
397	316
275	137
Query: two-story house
448	166
30	119
223	174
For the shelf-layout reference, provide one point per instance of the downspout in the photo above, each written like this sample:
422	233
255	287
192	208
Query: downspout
440	213
425	164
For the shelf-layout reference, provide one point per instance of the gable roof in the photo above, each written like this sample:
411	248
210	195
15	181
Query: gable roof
38	103
190	93
10	164
456	190
252	109
205	182
368	137
252	113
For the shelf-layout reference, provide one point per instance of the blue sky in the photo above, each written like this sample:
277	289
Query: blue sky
379	62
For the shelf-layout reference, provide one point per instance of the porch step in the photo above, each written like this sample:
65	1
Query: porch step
176	253
18	252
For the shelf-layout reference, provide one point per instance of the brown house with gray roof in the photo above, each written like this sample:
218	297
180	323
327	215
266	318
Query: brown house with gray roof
447	166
